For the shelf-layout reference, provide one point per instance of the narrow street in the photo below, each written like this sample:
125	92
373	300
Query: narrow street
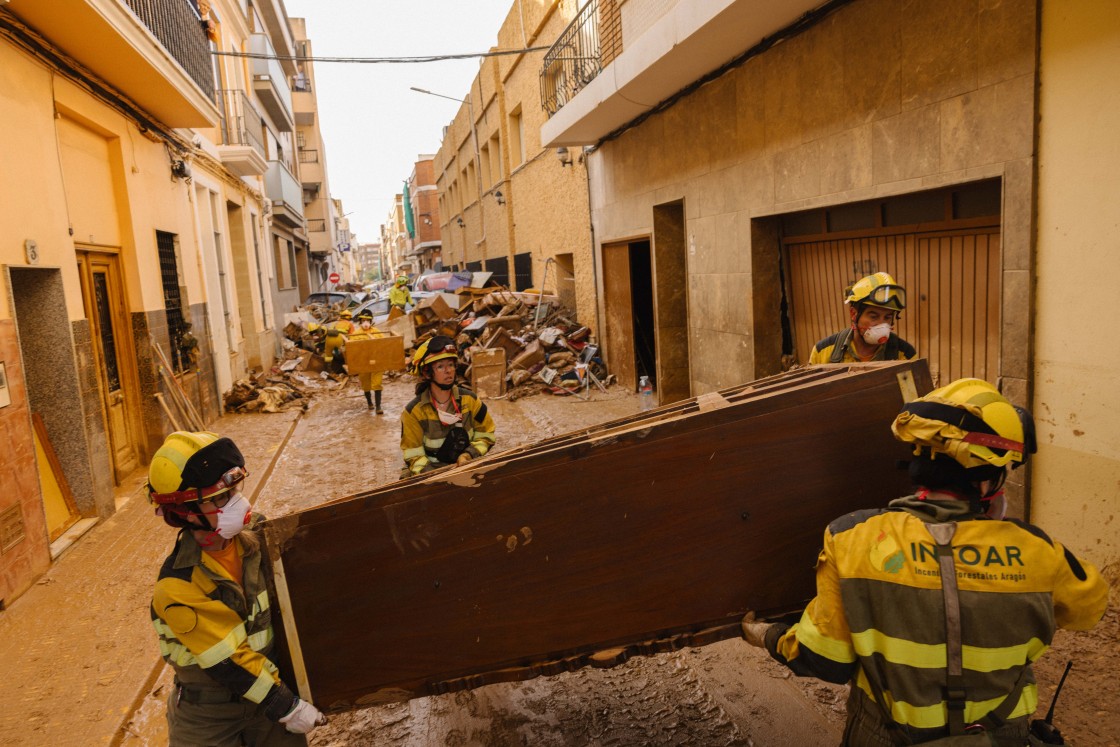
726	693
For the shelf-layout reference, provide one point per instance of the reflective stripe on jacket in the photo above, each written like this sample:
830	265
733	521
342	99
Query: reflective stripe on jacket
829	349
215	632
879	611
422	433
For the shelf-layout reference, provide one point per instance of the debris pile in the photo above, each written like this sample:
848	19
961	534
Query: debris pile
511	344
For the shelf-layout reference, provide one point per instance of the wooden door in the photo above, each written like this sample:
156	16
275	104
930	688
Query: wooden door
952	280
619	314
103	296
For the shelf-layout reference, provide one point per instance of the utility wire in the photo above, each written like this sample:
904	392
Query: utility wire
381	60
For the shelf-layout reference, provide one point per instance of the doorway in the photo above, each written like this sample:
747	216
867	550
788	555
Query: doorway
628	293
113	357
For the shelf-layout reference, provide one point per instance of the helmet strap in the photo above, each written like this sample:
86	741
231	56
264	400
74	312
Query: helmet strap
444	387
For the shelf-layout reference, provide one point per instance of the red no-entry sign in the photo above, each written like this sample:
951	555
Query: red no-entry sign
334	277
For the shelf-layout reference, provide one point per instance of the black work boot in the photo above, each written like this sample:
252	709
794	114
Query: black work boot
377	395
369	402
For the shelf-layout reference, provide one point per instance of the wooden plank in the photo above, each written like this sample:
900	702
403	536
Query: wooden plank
375	354
637	536
58	501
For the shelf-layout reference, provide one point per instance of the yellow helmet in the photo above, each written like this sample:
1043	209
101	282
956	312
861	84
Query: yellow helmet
431	350
346	314
402	279
878	289
969	421
194	466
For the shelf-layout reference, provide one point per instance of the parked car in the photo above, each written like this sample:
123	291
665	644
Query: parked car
434	281
329	298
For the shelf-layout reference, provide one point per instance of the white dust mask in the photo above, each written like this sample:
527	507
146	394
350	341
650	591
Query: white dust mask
449	418
233	517
878	334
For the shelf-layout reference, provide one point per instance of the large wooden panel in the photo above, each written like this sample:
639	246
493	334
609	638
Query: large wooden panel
643	534
953	292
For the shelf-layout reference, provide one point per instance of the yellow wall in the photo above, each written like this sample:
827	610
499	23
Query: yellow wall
32	203
1076	491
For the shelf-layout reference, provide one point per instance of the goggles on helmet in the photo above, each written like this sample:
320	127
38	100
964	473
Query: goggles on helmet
887	296
224	484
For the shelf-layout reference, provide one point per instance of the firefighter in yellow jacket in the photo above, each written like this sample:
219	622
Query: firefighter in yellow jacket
399	295
337	334
874	304
879	617
371	382
445	423
211	607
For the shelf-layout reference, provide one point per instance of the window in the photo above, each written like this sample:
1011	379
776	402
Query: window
516	137
484	159
166	244
495	159
219	254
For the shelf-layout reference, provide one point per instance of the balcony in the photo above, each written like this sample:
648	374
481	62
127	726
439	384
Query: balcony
153	51
284	191
645	61
316	225
310	171
271	84
241	149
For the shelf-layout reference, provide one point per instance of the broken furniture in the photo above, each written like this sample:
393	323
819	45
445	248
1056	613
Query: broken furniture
645	534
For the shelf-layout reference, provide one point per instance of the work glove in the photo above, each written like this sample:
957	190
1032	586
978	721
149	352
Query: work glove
463	458
754	633
303	718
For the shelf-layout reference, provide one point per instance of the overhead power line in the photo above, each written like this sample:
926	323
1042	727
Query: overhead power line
382	60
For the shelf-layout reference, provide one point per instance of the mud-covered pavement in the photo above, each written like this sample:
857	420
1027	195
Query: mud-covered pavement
723	694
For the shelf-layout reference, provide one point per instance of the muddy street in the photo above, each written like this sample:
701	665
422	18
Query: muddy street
723	694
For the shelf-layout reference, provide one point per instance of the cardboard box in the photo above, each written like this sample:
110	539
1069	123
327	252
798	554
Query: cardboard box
488	372
375	355
433	308
530	356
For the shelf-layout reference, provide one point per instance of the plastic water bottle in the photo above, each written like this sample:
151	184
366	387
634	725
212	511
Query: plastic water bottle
645	392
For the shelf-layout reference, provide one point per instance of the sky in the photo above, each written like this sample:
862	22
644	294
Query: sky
373	126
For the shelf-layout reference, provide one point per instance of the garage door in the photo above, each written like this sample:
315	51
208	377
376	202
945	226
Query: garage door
953	294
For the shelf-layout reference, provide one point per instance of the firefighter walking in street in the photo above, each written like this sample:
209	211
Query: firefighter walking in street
212	606
445	423
399	295
371	382
874	304
935	607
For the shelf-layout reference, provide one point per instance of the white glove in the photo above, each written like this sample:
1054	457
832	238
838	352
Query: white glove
303	718
754	633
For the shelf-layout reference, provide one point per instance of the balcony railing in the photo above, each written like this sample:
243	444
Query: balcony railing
577	58
270	83
316	225
283	189
241	122
178	27
308	155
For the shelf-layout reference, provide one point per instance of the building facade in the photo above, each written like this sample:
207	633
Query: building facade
149	219
422	221
510	204
738	185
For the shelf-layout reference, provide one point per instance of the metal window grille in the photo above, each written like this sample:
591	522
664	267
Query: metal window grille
169	276
523	271
177	25
105	324
500	267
